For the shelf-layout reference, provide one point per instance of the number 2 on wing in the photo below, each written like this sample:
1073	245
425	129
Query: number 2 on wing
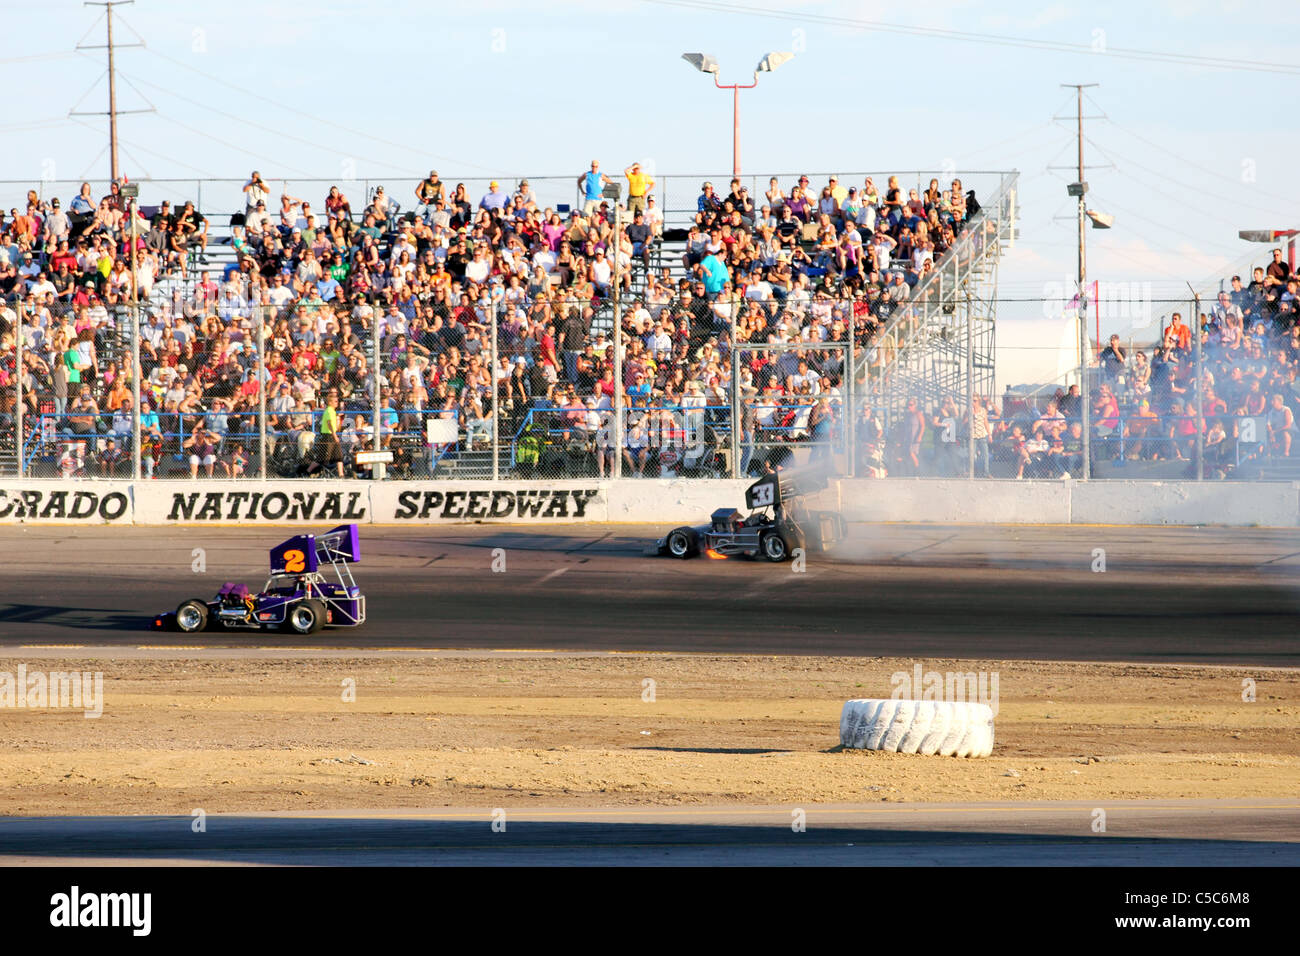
295	560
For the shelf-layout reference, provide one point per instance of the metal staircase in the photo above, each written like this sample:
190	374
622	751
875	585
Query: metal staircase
948	326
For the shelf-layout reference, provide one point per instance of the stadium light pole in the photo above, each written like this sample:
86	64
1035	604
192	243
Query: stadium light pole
709	64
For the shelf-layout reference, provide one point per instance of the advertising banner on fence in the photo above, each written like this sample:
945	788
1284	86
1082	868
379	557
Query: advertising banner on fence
243	502
66	502
527	501
650	501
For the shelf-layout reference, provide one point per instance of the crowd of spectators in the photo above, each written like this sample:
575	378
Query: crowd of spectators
1143	403
808	268
1250	366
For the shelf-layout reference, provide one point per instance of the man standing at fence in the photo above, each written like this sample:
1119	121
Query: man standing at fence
592	184
714	273
978	421
638	185
330	451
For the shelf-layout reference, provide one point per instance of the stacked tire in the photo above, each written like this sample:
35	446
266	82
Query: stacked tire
945	728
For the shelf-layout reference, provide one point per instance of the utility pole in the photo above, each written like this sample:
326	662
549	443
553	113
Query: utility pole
1079	189
1200	385
113	112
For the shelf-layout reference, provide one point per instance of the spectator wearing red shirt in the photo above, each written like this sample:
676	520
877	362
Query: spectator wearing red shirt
1179	332
1106	411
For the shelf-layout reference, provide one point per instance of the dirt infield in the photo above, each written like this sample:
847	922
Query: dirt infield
231	734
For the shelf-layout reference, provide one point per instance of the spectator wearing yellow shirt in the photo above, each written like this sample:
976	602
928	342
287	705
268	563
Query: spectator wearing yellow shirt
638	185
330	451
838	191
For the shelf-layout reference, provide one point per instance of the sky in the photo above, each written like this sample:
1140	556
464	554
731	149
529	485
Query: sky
1187	149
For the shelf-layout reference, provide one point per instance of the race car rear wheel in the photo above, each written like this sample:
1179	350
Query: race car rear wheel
192	616
773	546
680	544
306	617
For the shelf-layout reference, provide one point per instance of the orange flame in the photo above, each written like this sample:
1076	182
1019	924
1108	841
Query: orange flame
715	555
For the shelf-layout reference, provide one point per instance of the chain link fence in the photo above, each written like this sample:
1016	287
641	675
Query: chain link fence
563	350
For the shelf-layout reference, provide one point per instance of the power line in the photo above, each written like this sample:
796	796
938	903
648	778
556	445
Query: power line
36	57
1210	217
247	122
260	157
1187	162
297	111
154	152
1110	153
1125	53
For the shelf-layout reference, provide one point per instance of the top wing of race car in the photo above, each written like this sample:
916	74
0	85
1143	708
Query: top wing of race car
304	553
780	486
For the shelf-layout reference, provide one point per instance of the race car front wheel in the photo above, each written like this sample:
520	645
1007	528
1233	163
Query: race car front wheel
773	547
306	617
680	544
192	616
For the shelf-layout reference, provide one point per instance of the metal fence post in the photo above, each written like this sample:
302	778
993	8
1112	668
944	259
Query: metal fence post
1084	391
496	395
377	469
1200	386
261	391
618	353
970	386
135	342
18	410
850	405
737	414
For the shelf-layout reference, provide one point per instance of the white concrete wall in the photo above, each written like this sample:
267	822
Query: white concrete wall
1271	504
953	501
665	502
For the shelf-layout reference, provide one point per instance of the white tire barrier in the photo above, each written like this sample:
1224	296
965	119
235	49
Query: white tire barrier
946	728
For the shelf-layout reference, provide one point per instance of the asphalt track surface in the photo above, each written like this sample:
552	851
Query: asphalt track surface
1168	833
1167	595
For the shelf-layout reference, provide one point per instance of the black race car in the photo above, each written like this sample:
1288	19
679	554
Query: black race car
776	526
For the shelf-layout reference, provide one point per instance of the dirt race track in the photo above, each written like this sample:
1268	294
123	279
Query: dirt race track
1163	643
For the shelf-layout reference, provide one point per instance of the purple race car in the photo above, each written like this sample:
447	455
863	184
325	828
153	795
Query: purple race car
297	598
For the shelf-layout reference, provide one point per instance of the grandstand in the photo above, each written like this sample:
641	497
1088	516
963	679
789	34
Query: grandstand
435	277
804	265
